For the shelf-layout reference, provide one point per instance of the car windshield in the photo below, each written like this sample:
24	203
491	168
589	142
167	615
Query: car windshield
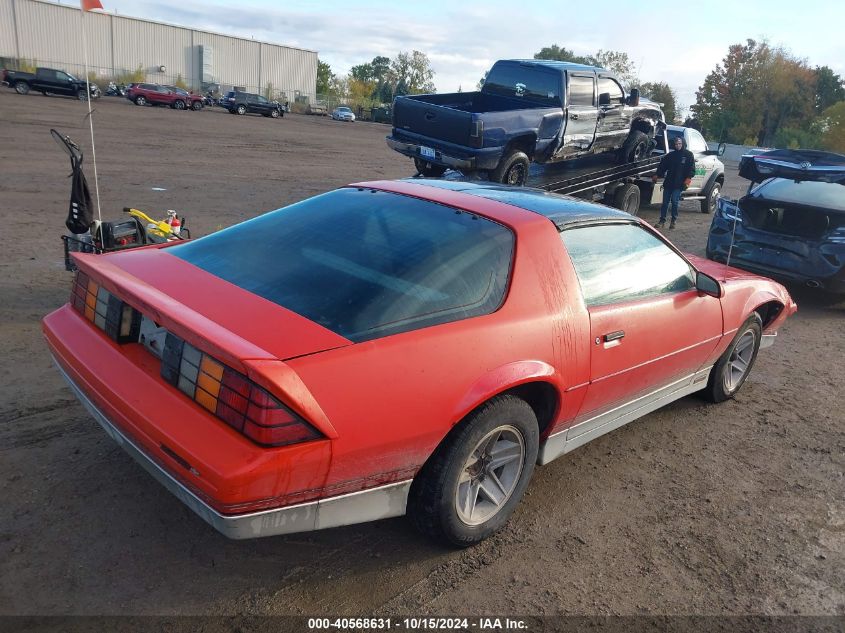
364	263
344	110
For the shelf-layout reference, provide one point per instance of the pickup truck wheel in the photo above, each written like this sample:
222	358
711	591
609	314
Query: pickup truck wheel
140	100
730	372
634	148
427	169
512	169
708	205
21	87
472	483
627	198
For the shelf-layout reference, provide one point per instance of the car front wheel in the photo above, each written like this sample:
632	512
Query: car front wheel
274	113
708	205
197	106
473	482
634	148
731	370
179	104
140	100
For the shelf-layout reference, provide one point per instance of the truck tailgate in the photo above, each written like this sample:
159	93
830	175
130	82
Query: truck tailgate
432	120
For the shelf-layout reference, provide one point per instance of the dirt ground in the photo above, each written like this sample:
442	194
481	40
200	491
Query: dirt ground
694	509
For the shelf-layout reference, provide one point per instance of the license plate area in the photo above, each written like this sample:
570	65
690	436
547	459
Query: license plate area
427	152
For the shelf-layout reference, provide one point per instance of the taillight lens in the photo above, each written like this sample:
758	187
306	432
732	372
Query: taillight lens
118	320
231	396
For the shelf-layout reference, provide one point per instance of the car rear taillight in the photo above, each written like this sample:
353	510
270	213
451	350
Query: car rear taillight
476	136
118	320
231	396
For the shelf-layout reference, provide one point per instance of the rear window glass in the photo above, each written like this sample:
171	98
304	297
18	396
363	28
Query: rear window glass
364	264
531	83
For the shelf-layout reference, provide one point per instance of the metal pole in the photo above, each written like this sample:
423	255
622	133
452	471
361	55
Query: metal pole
90	118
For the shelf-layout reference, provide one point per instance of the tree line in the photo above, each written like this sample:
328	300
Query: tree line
758	95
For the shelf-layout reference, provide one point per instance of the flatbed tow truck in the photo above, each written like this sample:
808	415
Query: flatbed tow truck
596	179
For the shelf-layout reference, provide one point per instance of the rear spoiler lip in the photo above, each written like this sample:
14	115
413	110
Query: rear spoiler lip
220	342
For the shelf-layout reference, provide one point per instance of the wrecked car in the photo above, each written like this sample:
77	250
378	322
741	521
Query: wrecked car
791	223
527	111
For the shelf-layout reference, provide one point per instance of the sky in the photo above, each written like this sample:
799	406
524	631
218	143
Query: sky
675	42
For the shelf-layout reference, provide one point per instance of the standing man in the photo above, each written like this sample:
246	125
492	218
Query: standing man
678	167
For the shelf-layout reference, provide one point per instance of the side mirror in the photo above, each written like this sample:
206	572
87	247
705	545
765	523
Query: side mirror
708	285
634	97
721	149
604	99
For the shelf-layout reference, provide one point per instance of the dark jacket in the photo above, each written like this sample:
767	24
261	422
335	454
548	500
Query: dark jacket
677	166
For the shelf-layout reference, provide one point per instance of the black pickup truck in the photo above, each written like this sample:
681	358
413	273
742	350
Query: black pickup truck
527	111
49	80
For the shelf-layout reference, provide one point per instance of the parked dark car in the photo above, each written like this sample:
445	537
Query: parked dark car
194	102
243	102
49	80
154	94
527	111
791	226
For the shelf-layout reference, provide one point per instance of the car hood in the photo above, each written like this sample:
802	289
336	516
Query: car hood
804	164
719	271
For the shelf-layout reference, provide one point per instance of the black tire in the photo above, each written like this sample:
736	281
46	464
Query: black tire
728	375
140	100
82	94
634	148
274	113
708	205
512	169
427	169
627	198
241	109
44	92
196	106
21	87
455	470
178	104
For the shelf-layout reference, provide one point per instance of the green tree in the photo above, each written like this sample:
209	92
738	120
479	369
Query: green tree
830	88
757	92
618	63
663	93
412	73
324	77
560	54
831	124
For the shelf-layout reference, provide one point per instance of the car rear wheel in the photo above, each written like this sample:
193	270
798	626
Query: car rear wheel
730	372
473	482
241	109
21	87
140	100
512	169
427	169
627	198
708	205
634	148
179	104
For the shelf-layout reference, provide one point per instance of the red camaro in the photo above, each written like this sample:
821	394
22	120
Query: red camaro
397	347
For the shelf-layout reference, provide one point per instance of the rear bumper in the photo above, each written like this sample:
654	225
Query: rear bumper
368	505
453	156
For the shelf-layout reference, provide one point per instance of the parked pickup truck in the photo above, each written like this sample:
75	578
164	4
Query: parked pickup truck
48	80
527	110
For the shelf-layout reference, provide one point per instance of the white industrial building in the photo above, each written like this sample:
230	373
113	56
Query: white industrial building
50	34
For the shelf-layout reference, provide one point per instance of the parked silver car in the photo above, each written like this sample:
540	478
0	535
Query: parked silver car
343	113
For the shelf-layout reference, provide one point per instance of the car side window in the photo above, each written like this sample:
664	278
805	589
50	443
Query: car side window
581	90
261	99
606	84
60	76
616	263
697	144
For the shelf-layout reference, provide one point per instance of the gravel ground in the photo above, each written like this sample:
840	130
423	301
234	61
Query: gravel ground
694	509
